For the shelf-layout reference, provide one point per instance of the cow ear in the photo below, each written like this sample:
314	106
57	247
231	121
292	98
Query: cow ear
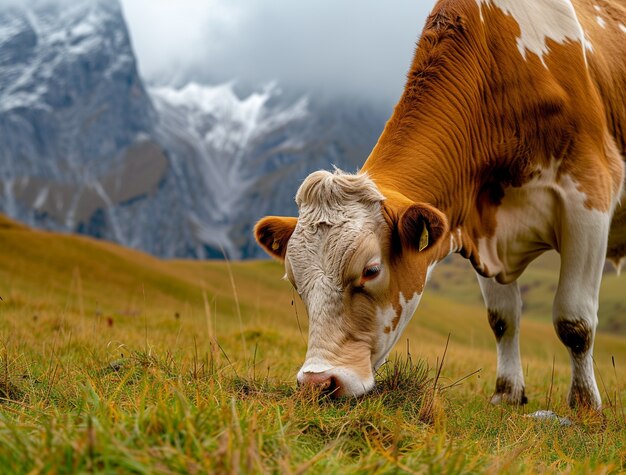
273	233
421	226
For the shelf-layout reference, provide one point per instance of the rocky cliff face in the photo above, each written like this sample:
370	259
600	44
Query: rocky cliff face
84	147
75	119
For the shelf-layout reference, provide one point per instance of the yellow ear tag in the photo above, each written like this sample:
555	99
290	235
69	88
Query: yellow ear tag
275	246
424	240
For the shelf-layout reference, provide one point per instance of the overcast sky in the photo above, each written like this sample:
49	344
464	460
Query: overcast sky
345	46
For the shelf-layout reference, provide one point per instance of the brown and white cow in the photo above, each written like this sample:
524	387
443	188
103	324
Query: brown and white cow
508	141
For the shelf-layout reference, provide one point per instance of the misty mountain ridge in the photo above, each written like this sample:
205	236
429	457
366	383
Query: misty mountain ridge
175	171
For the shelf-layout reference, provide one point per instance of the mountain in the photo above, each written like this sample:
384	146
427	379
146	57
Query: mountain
240	159
75	118
178	172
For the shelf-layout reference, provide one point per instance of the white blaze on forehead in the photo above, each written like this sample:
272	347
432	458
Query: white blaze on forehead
335	211
332	198
539	21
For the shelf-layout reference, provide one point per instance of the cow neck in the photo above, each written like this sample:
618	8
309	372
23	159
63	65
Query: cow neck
451	197
434	148
424	170
432	158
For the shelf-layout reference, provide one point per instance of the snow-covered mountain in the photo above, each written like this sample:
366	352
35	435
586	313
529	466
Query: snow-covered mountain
75	119
239	159
176	172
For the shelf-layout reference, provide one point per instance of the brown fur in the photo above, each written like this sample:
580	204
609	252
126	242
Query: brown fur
497	324
273	234
475	118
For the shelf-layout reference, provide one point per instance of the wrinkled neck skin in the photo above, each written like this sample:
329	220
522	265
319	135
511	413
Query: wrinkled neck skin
423	178
437	147
428	154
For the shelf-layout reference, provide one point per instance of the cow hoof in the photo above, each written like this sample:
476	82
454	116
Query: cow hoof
505	398
584	401
509	393
514	399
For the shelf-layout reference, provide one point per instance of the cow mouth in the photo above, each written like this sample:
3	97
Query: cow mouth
336	382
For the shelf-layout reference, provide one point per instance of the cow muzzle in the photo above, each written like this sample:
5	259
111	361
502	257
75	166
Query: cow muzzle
335	381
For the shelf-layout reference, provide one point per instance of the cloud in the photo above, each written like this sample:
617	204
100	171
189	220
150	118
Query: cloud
360	47
170	34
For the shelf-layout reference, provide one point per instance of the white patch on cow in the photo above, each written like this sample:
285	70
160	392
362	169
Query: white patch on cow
337	213
618	266
550	211
622	27
385	318
597	8
386	335
539	21
429	271
525	225
507	302
583	249
456	240
351	383
588	45
488	253
334	211
601	21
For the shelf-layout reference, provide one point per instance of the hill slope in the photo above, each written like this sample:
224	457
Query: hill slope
80	280
200	358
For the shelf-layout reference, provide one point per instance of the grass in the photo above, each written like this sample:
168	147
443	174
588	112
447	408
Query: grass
113	361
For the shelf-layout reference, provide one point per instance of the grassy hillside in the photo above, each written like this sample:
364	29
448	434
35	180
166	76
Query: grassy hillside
454	279
114	361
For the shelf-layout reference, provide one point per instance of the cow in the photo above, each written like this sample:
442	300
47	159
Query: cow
508	140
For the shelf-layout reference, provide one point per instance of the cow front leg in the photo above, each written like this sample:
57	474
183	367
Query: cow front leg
575	311
504	309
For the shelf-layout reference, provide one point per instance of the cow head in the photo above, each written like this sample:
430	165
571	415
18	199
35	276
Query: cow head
359	261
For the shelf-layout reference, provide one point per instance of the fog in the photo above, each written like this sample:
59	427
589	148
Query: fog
338	47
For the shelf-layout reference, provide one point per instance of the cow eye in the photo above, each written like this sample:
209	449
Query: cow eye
371	272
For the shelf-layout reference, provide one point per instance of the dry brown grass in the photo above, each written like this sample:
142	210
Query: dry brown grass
113	361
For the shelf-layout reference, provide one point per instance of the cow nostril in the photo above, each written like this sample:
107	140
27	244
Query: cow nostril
325	384
331	386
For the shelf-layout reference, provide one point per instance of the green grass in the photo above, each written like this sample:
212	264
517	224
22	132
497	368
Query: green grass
455	280
113	361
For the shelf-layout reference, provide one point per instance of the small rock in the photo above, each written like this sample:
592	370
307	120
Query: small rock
550	416
116	365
